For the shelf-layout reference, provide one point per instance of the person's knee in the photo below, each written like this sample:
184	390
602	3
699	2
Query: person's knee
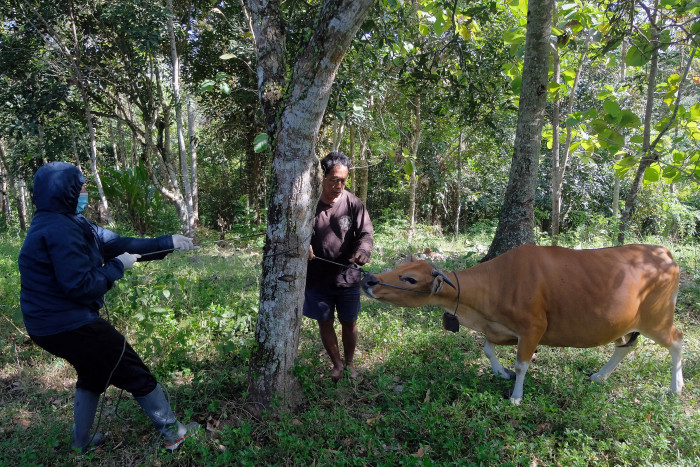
349	325
326	323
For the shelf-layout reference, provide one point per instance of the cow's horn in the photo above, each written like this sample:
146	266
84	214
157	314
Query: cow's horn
436	273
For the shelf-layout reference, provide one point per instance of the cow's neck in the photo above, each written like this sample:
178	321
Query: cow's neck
472	291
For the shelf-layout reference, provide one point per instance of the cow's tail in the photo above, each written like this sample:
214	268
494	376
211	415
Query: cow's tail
632	341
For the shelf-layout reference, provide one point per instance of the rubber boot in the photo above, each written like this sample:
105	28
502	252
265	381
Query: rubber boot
84	410
158	409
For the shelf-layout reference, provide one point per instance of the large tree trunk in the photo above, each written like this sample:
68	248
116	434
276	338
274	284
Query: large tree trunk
517	218
292	205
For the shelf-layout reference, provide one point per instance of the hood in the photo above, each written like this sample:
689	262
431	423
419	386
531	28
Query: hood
57	187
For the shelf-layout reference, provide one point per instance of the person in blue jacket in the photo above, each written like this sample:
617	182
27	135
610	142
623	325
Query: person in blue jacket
66	266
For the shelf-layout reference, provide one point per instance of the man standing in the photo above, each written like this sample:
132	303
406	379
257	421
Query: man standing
343	233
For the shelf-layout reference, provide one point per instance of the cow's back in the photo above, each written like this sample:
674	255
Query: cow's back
587	297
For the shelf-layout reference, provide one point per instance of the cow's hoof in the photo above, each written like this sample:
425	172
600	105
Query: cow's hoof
507	374
516	401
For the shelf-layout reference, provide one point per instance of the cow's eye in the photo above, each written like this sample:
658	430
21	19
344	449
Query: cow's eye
410	280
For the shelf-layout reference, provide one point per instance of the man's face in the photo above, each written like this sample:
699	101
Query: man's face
334	184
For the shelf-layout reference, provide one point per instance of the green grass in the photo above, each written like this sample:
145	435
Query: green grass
425	396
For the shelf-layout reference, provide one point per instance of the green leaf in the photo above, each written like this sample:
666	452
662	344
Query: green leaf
518	7
261	142
672	174
206	85
569	77
464	31
514	36
423	29
635	57
225	88
629	161
674	79
695	112
678	157
408	167
516	85
652	173
227	56
628	119
611	107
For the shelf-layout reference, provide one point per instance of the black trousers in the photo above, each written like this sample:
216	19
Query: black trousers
94	350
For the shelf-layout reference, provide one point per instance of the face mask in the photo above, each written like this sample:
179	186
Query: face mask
82	202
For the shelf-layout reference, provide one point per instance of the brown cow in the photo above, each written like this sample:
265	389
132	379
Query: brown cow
552	296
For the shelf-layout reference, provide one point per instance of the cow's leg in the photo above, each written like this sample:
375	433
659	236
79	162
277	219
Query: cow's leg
526	349
621	352
498	369
677	363
520	370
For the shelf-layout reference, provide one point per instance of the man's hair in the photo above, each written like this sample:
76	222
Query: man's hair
332	159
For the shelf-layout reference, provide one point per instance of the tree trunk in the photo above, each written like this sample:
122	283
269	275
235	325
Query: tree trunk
188	227
354	130
292	205
362	171
558	174
616	187
21	201
556	181
192	136
458	186
115	145
7	184
42	143
339	129
82	85
413	181
516	221
647	156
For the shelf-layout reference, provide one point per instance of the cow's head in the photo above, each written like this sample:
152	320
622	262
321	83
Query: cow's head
413	283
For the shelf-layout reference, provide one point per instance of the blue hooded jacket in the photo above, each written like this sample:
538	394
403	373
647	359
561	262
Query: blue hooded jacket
66	263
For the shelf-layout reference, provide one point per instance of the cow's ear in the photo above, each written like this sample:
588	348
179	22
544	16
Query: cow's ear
437	285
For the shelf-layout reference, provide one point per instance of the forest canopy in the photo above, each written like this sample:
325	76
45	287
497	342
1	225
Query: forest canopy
160	107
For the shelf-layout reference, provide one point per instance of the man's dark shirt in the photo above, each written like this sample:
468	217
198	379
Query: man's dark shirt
340	230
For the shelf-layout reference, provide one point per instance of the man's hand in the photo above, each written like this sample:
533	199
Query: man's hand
128	260
360	258
182	243
311	253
